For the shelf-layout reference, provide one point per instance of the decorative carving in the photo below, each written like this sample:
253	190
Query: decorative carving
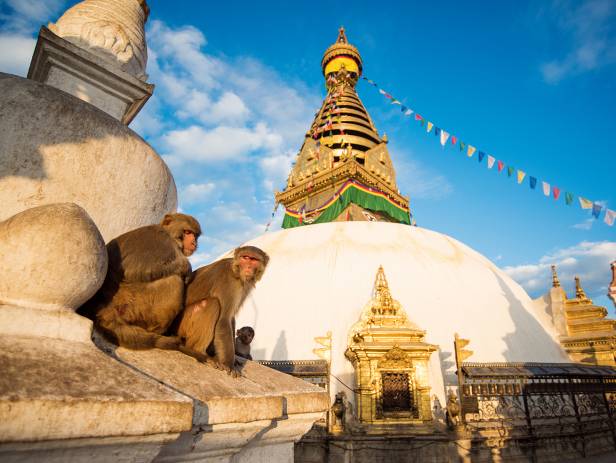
111	29
338	411
395	359
453	410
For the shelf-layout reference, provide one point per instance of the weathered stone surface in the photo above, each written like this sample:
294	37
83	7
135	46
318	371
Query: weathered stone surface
88	450
56	148
261	393
112	29
52	389
52	257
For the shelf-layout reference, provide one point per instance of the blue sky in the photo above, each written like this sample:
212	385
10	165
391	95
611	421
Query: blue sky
531	83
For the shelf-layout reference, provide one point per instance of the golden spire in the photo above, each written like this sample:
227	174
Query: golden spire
579	291
384	302
555	280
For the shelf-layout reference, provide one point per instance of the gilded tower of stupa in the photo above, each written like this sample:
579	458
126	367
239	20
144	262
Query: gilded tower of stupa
343	170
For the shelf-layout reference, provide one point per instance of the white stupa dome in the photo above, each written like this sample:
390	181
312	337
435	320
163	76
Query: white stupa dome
320	277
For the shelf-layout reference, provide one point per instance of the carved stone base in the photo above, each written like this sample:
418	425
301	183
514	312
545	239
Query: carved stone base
61	64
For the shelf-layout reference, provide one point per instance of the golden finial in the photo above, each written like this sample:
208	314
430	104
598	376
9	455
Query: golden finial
383	296
579	291
342	36
555	280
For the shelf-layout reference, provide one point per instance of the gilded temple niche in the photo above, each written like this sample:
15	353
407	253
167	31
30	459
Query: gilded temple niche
390	359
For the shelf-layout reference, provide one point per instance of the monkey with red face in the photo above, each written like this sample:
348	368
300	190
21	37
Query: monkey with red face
213	299
144	288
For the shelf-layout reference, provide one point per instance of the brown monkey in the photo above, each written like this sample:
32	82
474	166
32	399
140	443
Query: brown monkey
245	335
212	300
144	287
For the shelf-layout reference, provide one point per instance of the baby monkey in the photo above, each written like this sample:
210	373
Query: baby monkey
242	342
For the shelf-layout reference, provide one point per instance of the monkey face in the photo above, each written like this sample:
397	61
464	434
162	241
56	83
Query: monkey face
189	243
250	264
245	337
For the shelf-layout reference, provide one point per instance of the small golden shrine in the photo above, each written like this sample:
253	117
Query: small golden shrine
390	359
586	334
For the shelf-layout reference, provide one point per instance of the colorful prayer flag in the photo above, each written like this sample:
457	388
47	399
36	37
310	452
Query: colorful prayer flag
471	150
403	108
521	175
568	198
395	102
596	210
556	192
491	161
610	215
429	127
481	155
501	166
417	117
584	203
533	182
382	92
444	137
462	146
510	171
408	112
437	131
454	139
546	188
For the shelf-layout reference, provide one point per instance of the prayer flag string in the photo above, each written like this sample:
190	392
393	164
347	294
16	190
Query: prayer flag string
442	136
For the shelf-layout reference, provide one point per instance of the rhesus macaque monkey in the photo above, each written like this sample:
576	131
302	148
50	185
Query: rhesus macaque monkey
143	291
244	337
213	298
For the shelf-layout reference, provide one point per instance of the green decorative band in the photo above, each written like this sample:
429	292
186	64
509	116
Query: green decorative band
351	192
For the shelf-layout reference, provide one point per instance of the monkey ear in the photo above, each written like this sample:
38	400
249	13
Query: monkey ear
167	220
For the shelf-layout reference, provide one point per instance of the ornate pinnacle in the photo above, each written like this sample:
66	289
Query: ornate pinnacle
383	296
342	36
579	291
555	280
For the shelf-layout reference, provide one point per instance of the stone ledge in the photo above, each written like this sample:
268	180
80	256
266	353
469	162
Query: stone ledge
54	389
260	394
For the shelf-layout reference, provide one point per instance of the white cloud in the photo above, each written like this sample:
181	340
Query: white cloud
195	192
211	92
417	180
15	53
590	25
220	143
276	168
20	21
585	225
26	16
588	260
